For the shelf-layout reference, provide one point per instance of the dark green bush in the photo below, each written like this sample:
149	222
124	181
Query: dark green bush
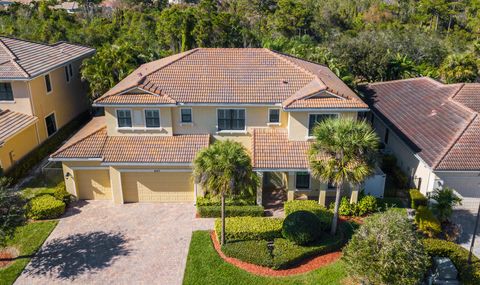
426	222
45	207
250	228
301	227
345	208
417	199
234	201
366	205
469	273
230	211
325	216
60	193
251	251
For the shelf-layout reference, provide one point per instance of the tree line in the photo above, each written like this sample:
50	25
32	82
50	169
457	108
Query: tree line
360	40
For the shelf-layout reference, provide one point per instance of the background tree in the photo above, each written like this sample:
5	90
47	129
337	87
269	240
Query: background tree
459	68
225	169
445	199
12	211
386	250
342	152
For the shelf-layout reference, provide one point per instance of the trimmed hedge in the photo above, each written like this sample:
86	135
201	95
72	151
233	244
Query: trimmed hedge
45	207
324	215
230	211
60	193
251	251
469	273
417	199
250	228
235	201
301	227
24	165
427	223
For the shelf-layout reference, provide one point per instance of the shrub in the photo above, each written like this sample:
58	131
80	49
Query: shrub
446	199
45	207
301	227
250	228
321	212
251	251
230	211
386	250
60	193
235	201
346	208
366	205
468	273
426	222
417	198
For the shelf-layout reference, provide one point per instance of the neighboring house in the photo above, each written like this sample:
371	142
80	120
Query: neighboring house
433	129
71	7
162	114
40	91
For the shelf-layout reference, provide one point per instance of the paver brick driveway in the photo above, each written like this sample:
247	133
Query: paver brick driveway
101	243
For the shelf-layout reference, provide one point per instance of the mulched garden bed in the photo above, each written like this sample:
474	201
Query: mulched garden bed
7	256
304	267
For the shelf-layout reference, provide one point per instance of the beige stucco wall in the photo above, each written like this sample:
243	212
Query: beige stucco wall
21	95
298	123
20	144
138	122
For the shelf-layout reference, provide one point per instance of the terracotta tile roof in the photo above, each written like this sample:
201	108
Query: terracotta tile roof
132	149
431	117
26	59
232	75
469	95
273	150
12	123
136	99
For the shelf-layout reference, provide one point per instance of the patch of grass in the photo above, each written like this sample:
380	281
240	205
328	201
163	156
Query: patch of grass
205	266
27	239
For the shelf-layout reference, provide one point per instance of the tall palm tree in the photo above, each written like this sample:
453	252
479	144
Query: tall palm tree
225	168
343	152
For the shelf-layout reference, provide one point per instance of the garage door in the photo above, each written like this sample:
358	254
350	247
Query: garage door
93	184
157	187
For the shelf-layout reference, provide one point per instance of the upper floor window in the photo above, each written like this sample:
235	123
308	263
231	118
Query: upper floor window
68	72
274	116
152	118
6	93
51	124
186	115
313	119
48	83
231	119
124	118
302	180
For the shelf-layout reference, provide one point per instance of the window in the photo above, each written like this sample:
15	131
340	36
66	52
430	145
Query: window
124	118
152	118
274	116
387	134
51	124
313	119
330	185
6	93
302	180
231	119
48	83
185	115
70	70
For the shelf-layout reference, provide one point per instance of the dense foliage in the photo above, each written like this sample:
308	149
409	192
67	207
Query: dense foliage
417	199
365	40
426	222
230	211
386	250
301	227
321	212
45	207
12	212
250	228
445	200
366	205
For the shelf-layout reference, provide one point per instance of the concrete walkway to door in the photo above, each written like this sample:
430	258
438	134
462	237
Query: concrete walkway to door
98	242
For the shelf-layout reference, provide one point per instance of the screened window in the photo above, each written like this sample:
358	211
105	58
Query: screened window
313	119
48	83
186	115
152	118
302	180
124	118
6	93
231	119
274	116
51	124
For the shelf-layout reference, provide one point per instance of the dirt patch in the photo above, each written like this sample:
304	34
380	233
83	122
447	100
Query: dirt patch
7	256
306	266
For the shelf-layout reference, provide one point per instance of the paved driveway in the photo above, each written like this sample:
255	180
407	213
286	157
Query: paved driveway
466	218
101	243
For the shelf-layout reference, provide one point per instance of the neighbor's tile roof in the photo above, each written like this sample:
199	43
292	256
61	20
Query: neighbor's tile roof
26	59
436	119
232	75
273	150
133	149
12	122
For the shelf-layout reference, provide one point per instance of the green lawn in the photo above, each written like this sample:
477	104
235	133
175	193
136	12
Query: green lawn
27	240
205	266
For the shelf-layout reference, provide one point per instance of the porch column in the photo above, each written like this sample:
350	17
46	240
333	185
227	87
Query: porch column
322	197
116	184
195	193
291	186
259	188
354	195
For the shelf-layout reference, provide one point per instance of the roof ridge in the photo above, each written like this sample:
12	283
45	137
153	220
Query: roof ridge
13	57
281	57
452	99
452	144
403	80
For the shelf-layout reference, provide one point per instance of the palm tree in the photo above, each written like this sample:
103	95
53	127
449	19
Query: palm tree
225	169
343	152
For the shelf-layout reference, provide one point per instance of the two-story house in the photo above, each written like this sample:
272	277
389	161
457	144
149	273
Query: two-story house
162	114
40	91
